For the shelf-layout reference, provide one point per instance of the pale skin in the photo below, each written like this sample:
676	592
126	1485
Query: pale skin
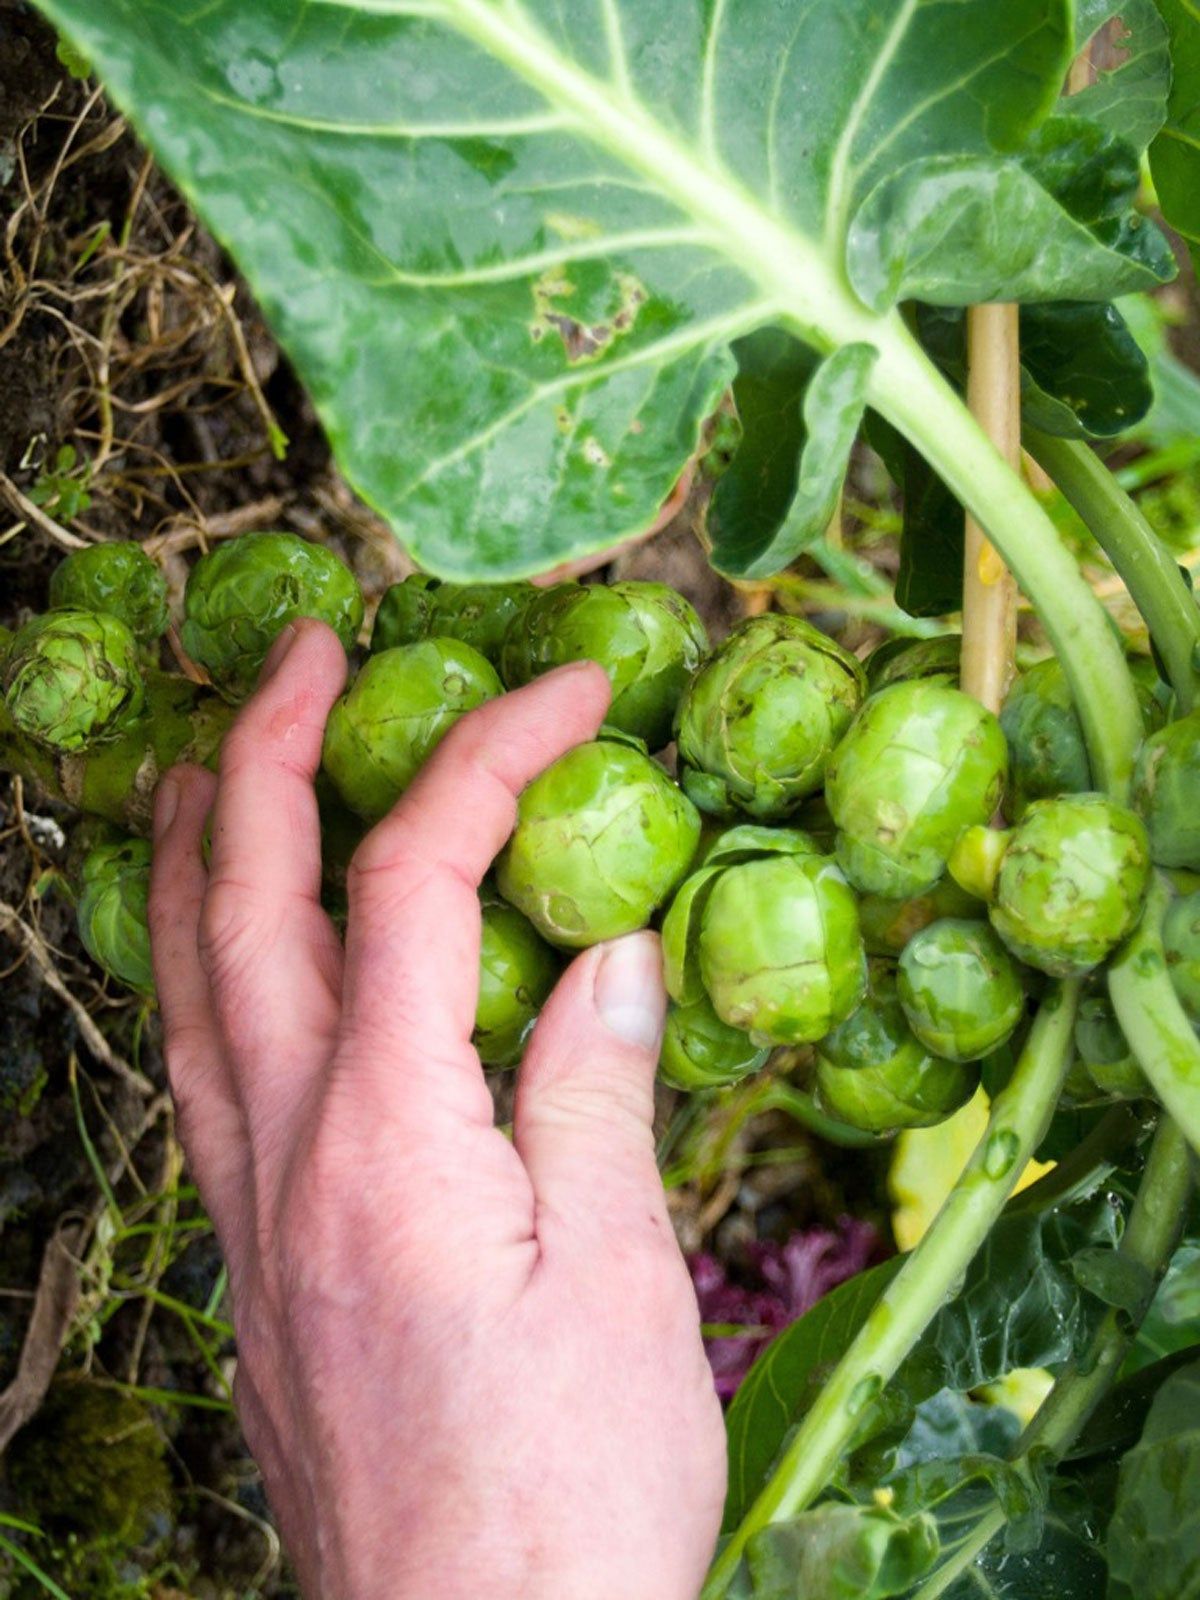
466	1366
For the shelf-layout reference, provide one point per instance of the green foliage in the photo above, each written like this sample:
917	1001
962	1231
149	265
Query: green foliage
61	489
1153	1542
1174	157
545	374
1019	1306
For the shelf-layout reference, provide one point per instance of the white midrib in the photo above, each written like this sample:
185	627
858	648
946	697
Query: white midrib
790	269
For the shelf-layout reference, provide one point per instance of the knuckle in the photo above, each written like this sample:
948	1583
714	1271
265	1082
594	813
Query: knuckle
234	937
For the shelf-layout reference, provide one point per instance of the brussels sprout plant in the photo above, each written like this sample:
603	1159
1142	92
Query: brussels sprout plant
896	222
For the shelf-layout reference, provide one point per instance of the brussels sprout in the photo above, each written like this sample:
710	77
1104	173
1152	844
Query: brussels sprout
1181	940
760	719
960	989
478	614
699	1051
773	942
117	578
1047	750
1066	885
1104	1051
602	838
1166	792
888	925
405	613
243	594
71	678
112	911
874	1074
645	636
904	660
517	970
396	712
920	763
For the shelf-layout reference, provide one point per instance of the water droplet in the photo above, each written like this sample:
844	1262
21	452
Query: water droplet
1001	1153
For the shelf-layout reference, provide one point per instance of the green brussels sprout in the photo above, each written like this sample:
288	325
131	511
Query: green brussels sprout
1066	885
112	911
888	925
1047	750
1181	941
699	1051
874	1074
1104	1052
1166	792
71	678
904	660
478	614
517	970
646	637
602	838
241	596
394	715
921	762
960	989
117	578
759	721
405	613
772	941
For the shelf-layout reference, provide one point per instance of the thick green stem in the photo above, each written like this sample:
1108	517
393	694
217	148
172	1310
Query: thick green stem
1149	1240
923	1285
1145	565
1158	1029
910	392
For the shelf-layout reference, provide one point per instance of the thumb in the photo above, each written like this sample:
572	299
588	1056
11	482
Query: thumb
583	1123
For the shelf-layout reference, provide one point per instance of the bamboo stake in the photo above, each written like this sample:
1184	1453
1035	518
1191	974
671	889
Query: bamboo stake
989	592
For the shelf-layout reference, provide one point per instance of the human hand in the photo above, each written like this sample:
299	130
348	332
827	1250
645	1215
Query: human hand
465	1365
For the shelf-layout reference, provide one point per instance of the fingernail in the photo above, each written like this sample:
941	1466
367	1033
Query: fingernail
630	998
166	804
277	654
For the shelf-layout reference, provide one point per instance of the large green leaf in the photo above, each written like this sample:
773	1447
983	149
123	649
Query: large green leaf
1019	1306
799	418
508	244
1130	98
1066	1565
1154	1536
1175	154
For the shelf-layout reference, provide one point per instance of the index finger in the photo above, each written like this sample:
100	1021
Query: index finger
412	944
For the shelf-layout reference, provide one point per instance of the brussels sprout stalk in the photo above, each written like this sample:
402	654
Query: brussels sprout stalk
1018	1120
1152	1016
1147	1244
1144	563
909	391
